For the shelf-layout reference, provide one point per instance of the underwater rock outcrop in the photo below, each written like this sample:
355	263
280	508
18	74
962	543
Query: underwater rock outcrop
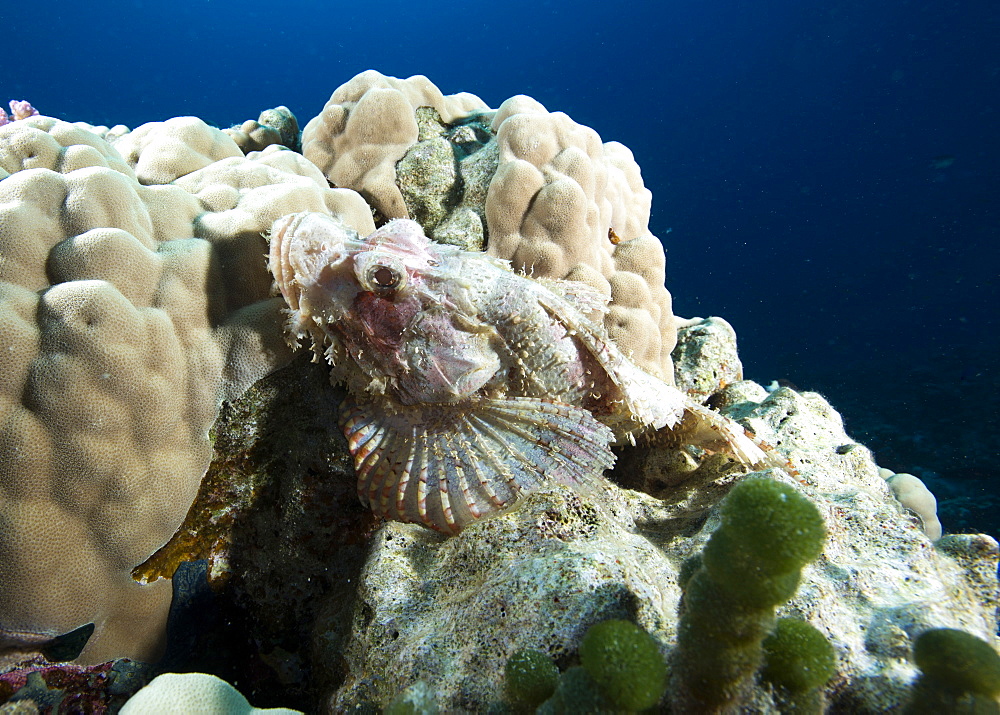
135	301
451	611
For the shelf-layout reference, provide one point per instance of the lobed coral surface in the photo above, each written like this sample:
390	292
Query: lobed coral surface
134	300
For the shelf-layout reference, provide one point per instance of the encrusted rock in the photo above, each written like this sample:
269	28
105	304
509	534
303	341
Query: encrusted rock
444	177
450	611
705	358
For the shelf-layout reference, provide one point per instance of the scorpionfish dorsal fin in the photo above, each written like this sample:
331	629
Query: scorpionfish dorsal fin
445	465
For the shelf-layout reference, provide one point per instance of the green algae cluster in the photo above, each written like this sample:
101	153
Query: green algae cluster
751	564
960	674
622	671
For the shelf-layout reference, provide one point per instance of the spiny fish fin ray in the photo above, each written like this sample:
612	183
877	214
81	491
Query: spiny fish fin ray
716	432
446	465
652	402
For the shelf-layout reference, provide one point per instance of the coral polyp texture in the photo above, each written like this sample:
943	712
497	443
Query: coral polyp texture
130	308
537	188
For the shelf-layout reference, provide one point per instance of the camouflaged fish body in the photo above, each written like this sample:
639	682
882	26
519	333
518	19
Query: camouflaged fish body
470	385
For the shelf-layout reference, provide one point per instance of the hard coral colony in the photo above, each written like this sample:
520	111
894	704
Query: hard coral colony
484	285
19	109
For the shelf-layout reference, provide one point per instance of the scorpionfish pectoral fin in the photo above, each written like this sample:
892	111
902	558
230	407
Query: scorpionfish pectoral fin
445	465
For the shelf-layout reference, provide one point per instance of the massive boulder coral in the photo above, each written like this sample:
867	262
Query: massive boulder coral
564	205
535	186
130	308
368	125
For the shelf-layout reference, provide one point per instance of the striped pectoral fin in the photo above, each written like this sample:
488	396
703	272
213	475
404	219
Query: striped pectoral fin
445	465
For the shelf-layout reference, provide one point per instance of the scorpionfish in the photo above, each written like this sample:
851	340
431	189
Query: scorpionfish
470	385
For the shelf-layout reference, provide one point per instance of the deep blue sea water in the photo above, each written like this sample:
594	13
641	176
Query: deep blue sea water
826	176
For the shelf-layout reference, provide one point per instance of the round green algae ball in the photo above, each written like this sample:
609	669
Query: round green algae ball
626	664
797	656
773	522
747	578
958	660
531	677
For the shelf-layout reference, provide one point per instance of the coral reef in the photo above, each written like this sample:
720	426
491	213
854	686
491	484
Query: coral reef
136	308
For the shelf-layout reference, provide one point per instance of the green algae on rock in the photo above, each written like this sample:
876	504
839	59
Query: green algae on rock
626	664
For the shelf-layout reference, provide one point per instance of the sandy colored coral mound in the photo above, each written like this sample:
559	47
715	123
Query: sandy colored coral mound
368	125
162	151
127	313
563	204
273	126
183	693
556	201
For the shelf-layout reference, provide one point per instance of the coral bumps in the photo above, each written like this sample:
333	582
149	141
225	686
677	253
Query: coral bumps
133	299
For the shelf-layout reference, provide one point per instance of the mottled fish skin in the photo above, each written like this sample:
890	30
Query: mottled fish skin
470	385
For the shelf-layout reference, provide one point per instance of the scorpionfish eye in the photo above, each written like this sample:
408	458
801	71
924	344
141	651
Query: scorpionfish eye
380	273
383	277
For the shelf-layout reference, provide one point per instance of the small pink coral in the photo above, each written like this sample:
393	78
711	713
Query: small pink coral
20	109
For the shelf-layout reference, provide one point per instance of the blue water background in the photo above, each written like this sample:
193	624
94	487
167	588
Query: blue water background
825	175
